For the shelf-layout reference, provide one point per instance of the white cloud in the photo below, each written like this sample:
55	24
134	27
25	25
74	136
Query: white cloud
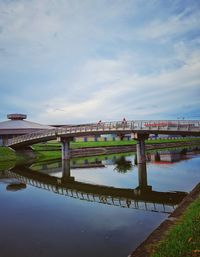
79	61
121	93
173	26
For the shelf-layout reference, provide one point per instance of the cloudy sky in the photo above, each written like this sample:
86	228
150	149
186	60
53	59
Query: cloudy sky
75	61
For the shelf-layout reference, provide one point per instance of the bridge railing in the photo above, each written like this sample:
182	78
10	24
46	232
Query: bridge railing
129	126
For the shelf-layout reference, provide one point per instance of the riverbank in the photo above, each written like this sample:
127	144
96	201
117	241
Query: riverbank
50	150
9	157
92	144
7	154
46	151
179	234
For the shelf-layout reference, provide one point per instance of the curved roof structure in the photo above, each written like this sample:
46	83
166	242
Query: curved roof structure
22	124
18	125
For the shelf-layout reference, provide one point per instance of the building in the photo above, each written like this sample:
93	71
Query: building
17	125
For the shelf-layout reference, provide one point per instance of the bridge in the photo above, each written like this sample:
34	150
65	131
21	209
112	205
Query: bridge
139	131
142	197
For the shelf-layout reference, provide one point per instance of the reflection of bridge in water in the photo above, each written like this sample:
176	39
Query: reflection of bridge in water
142	197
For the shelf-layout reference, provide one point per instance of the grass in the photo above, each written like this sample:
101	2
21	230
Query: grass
183	239
51	150
7	165
7	154
8	158
76	145
47	155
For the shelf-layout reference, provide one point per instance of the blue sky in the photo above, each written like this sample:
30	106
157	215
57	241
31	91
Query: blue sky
74	61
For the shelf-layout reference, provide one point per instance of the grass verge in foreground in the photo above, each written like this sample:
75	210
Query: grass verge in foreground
183	239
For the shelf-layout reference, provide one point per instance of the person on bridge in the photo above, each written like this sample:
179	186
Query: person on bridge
124	122
99	122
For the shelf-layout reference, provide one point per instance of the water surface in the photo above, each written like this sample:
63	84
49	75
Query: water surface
102	206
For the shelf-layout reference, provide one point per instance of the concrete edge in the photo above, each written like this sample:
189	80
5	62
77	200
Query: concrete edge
144	249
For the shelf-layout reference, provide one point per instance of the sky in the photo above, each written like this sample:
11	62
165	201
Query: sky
80	61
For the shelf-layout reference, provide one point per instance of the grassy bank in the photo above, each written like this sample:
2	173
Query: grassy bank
183	239
47	155
7	154
51	150
76	145
8	158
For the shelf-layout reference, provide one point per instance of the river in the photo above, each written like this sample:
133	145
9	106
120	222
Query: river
94	206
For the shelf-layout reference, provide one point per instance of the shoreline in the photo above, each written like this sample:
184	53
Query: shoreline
158	234
128	148
49	153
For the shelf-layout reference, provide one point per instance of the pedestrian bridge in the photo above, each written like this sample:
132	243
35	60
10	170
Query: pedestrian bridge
183	127
139	130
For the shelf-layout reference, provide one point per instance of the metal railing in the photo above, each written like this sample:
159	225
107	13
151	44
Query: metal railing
112	127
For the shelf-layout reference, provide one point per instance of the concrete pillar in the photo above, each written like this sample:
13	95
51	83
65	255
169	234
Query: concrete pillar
140	146
65	142
65	149
121	137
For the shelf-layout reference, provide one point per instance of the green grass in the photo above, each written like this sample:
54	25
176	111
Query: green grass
7	165
183	239
51	150
75	145
7	154
8	158
47	155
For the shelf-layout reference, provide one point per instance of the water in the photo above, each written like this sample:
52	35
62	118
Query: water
100	206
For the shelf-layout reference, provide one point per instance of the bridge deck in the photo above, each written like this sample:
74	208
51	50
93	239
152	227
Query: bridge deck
185	127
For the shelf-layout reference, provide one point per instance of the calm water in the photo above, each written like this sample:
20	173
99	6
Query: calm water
102	206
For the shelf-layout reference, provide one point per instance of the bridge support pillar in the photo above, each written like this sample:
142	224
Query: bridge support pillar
65	149
121	136
140	146
65	142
